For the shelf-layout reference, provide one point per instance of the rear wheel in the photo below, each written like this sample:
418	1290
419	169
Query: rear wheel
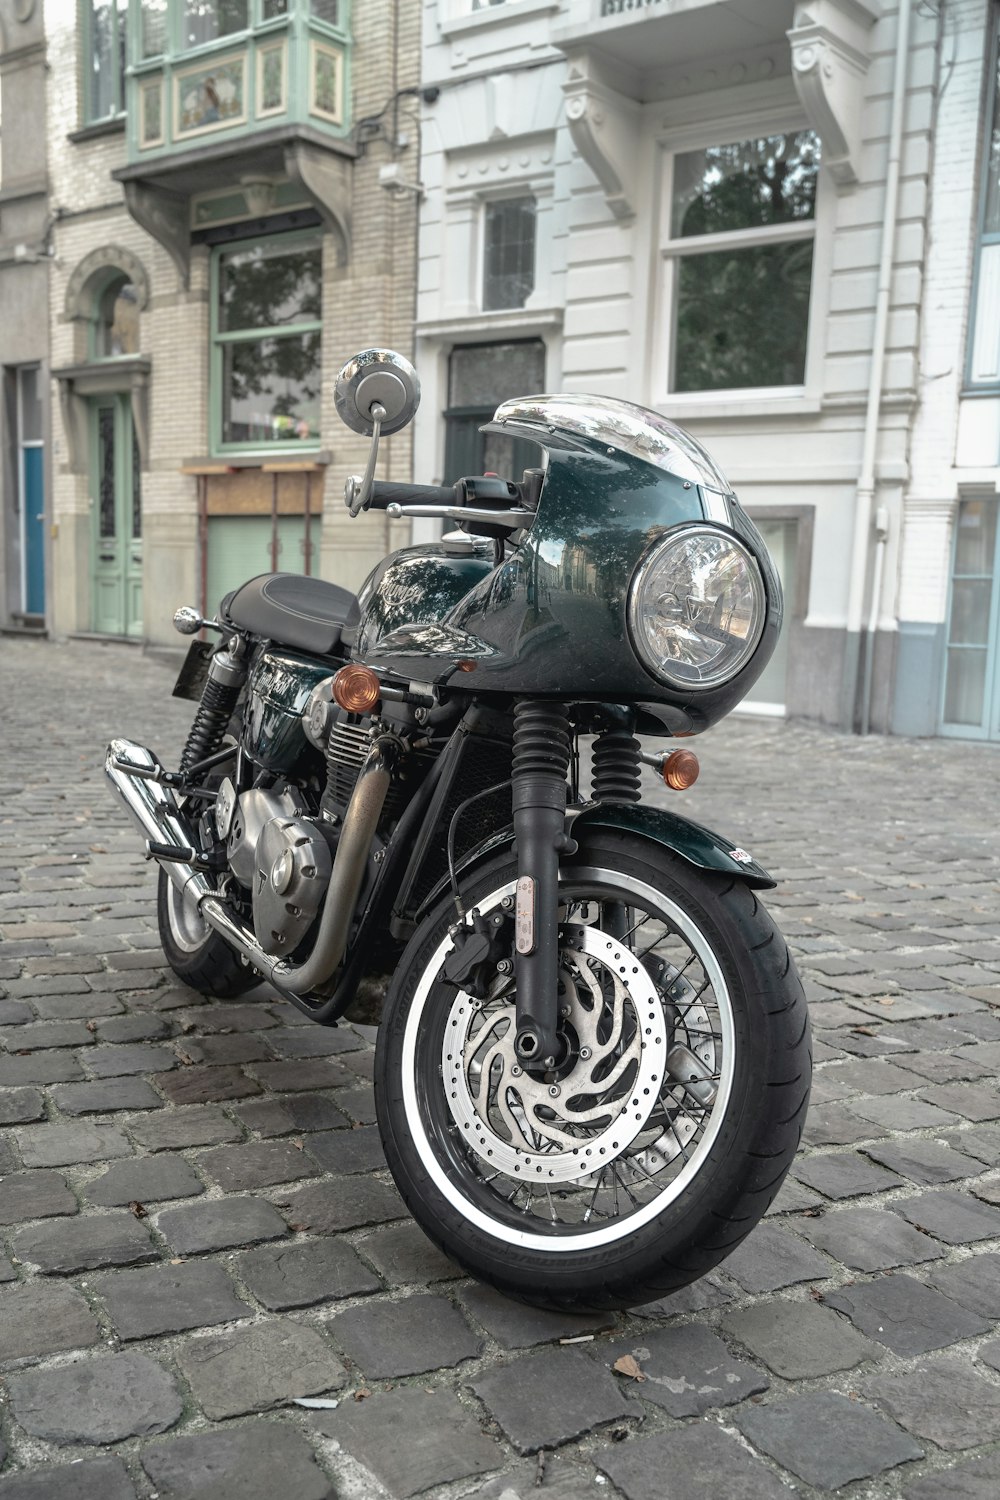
656	1148
197	954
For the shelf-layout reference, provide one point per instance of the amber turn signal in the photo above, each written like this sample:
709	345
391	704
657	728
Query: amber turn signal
357	689
680	769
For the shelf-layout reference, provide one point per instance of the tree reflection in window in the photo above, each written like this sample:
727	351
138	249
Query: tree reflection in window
268	340
741	309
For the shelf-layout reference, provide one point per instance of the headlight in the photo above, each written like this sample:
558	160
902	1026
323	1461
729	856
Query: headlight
696	608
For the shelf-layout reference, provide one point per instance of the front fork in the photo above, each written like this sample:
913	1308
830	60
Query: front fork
541	762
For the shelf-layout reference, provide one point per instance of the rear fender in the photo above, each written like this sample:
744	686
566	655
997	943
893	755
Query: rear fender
691	842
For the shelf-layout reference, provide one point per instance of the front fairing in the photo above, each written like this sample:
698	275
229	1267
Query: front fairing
551	620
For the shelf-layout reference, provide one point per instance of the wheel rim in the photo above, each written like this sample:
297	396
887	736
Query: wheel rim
187	926
628	1128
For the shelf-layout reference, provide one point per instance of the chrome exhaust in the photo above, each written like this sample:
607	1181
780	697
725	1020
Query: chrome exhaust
133	772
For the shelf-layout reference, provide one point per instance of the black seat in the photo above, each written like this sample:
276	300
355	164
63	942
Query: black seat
292	610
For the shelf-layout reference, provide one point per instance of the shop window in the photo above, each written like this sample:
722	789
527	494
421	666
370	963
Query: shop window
508	253
480	376
103	57
115	329
266	341
739	256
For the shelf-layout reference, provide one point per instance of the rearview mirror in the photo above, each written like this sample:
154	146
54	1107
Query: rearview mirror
377	378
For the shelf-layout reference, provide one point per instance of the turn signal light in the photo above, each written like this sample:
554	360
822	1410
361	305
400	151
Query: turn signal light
680	769
357	689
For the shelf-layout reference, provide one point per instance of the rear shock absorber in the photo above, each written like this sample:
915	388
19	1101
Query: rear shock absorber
541	761
616	767
226	674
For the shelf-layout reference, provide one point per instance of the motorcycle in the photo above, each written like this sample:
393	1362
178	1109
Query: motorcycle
422	804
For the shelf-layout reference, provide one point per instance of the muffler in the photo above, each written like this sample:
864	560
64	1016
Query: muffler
134	771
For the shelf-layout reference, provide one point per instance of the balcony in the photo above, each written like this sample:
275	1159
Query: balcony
236	108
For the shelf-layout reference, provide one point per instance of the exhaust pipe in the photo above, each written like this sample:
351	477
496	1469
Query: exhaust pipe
133	772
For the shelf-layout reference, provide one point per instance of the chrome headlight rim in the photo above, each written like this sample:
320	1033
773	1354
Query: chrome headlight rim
726	673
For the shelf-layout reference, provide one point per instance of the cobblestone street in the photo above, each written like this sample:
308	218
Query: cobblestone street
197	1227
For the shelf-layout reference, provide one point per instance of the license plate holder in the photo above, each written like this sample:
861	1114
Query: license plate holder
193	674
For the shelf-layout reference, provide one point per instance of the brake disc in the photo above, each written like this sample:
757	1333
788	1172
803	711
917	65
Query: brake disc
565	1129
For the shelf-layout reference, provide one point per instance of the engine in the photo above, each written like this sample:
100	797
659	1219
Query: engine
280	855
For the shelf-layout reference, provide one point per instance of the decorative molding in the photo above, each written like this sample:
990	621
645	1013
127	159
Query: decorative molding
164	215
327	178
101	378
80	288
830	57
604	127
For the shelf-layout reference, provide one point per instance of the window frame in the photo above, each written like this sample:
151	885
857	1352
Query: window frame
669	249
218	341
120	47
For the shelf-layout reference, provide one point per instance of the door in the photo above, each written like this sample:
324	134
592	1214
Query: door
971	701
31	484
116	508
768	694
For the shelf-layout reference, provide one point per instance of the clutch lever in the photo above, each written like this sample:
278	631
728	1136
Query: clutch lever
516	519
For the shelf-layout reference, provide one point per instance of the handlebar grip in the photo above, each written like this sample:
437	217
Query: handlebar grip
385	492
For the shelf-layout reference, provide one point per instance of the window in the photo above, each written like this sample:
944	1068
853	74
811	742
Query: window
480	376
971	688
739	249
103	55
508	253
266	341
207	20
115	330
984	338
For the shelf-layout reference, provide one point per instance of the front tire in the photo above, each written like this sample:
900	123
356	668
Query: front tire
662	1141
198	955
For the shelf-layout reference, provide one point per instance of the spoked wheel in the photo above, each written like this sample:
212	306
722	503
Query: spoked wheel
197	954
656	1147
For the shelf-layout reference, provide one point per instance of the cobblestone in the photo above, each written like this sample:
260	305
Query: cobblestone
135	1090
100	1400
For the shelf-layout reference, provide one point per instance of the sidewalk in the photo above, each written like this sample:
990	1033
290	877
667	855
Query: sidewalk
196	1225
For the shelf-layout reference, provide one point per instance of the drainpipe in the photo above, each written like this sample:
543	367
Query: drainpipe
881	538
865	495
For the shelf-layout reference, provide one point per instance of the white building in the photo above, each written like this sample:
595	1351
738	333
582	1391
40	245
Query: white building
774	221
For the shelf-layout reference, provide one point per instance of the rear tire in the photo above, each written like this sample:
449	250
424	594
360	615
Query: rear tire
198	955
457	1141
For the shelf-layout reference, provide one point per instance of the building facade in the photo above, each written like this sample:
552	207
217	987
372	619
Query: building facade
229	221
772	223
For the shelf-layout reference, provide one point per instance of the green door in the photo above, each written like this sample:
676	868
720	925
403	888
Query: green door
116	507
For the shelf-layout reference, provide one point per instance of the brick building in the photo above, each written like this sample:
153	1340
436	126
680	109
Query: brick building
773	223
220	243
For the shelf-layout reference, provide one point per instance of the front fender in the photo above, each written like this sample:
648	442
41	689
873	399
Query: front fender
691	842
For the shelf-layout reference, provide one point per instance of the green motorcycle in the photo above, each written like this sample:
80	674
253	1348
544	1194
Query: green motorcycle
422	805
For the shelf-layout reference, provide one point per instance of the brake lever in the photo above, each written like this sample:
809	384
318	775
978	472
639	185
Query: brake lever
513	520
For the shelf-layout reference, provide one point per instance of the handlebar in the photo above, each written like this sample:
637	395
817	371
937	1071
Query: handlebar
385	492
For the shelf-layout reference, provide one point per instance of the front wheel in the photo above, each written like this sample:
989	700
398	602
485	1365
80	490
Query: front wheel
654	1150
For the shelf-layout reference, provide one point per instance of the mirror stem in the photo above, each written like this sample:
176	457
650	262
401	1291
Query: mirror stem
358	492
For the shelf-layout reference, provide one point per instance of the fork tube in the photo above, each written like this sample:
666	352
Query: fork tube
541	761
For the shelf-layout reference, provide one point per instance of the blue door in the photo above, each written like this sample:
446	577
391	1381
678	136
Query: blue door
33	501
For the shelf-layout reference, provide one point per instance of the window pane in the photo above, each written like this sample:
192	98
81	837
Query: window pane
509	253
976	540
154	27
486	374
31	404
136	486
265	286
270	390
204	20
273	8
326	10
106	469
117	330
970	612
768	180
742	318
101	94
963	698
992	224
